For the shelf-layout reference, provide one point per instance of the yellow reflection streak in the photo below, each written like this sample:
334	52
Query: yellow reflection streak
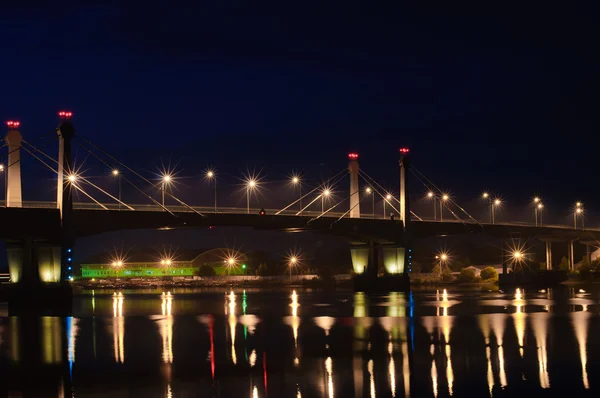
498	325
169	391
232	325
118	326
165	325
540	326
298	393
580	323
449	372
520	318
252	358
51	340
329	370
405	369
14	339
325	323
295	317
392	370
371	378
255	392
434	378
490	374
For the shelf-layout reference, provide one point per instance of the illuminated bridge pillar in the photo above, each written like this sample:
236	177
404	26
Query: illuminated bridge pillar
354	188
405	214
67	178
13	168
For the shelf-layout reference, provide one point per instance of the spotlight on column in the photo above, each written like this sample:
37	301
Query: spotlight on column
65	115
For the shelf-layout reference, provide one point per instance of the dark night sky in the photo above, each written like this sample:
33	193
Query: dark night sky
501	98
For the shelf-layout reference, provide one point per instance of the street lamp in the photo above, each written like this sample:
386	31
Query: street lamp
325	194
578	212
369	191
539	208
443	259
117	264
72	178
431	196
486	196
166	180
292	263
443	201
497	202
117	175
211	175
536	206
296	182
250	186
388	197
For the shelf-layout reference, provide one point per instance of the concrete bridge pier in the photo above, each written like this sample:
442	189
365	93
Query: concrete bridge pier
548	255
35	275
380	267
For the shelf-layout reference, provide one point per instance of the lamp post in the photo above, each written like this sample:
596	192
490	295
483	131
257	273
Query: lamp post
536	202
250	185
296	182
386	199
578	212
486	197
539	212
324	194
211	175
117	175
117	265
497	202
431	196
165	181
369	191
443	258
293	262
443	201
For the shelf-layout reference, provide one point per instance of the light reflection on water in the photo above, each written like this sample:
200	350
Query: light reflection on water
393	353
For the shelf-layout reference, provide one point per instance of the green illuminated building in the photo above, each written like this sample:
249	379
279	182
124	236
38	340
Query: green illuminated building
148	264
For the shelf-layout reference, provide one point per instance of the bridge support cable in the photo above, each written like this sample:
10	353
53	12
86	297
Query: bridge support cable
41	138
332	207
335	182
393	197
85	180
420	176
313	190
350	209
135	173
367	178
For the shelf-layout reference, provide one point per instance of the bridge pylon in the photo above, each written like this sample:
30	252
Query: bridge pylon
353	168
13	168
67	178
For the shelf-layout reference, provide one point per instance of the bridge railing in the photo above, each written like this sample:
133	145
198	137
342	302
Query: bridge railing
244	210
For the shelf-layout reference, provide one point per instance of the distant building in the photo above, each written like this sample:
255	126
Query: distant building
148	264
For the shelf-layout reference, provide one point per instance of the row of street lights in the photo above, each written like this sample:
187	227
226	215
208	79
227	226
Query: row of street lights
252	184
494	203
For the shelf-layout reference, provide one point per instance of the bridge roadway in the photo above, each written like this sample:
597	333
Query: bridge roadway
41	220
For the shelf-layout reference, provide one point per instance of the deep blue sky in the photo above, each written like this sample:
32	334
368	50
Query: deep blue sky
504	99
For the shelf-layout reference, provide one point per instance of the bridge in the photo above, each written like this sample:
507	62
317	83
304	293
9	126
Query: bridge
41	235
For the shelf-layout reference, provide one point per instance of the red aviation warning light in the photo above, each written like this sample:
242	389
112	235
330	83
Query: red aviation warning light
404	151
12	124
65	114
353	156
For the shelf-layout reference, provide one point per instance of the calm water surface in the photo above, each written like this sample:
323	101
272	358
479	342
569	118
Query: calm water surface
302	343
